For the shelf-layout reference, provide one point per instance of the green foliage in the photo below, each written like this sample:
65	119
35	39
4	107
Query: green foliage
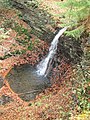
32	3
26	41
5	3
20	31
76	32
3	34
83	97
16	52
83	90
76	12
85	115
22	38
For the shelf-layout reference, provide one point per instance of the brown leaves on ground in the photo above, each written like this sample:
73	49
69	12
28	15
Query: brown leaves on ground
49	104
52	104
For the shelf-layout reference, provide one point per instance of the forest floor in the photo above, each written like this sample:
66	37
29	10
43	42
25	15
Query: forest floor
55	103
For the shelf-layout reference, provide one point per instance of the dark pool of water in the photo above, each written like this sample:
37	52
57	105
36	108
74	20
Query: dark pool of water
25	81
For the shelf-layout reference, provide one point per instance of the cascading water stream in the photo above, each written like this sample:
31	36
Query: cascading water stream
43	65
26	81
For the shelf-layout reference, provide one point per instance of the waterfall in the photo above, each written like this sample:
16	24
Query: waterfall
43	65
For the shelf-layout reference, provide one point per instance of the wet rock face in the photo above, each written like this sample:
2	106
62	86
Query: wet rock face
70	49
38	19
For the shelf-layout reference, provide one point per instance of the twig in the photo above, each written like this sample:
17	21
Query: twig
29	92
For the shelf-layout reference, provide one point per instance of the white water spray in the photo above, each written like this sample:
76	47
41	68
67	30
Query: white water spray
43	65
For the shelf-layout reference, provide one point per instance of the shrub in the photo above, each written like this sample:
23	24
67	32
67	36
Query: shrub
77	16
